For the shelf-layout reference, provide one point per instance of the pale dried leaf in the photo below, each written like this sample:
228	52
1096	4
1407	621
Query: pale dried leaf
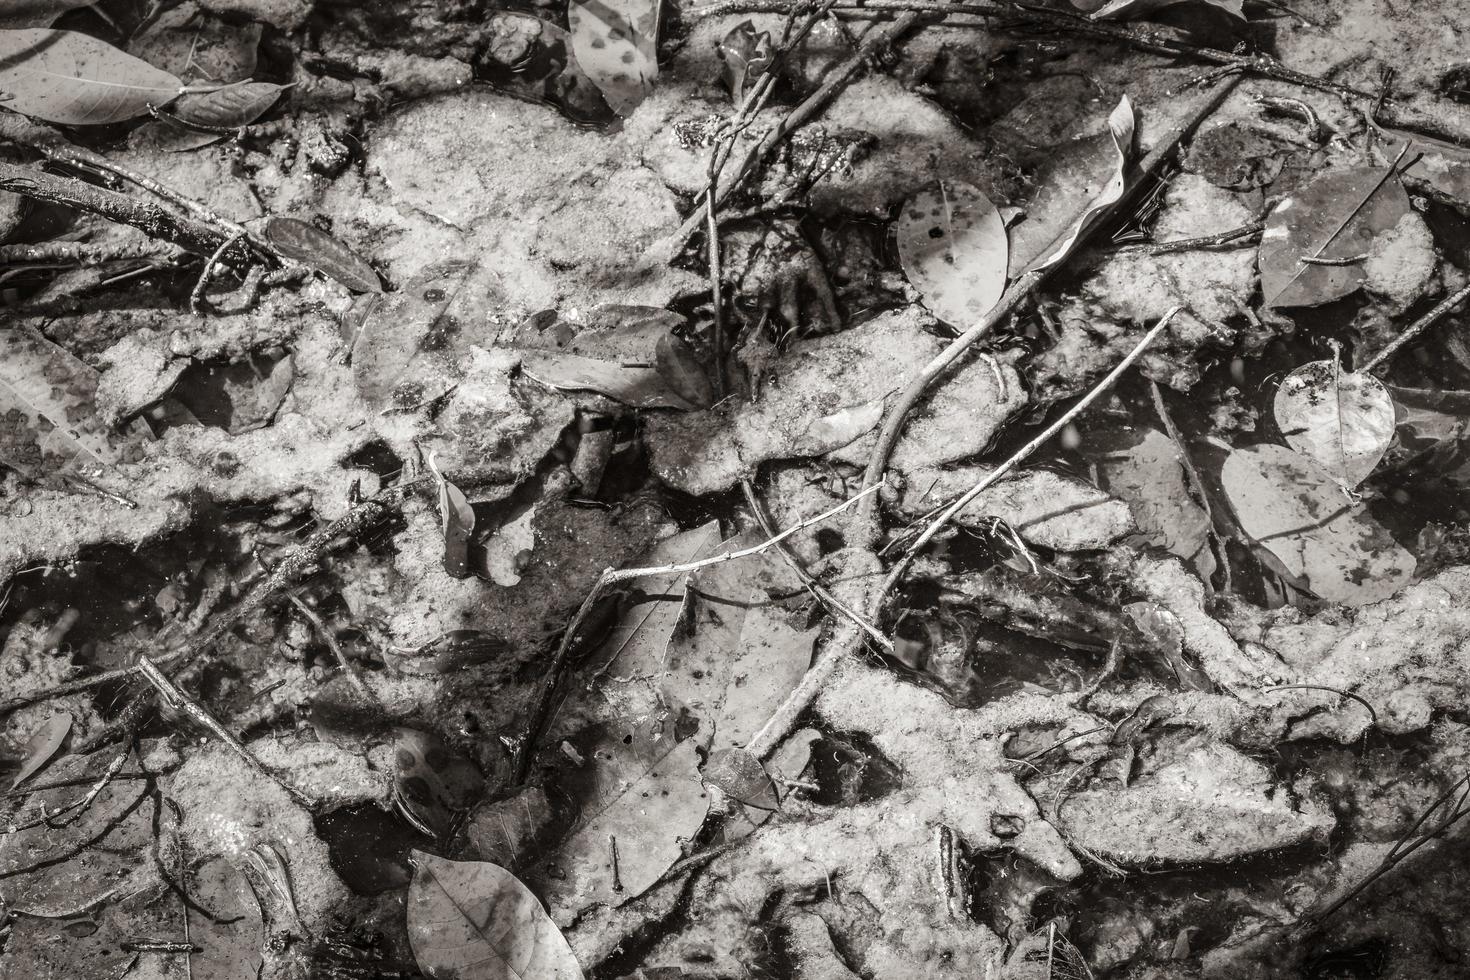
71	78
1296	509
473	920
42	746
1341	419
953	247
457	522
614	41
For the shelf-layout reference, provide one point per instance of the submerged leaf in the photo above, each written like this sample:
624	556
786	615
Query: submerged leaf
1077	192
43	745
614	41
473	920
310	245
47	413
639	791
1335	217
433	783
615	354
680	367
1341	419
1295	509
71	78
457	521
1046	954
953	246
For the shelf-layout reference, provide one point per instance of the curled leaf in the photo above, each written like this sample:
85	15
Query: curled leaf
953	246
310	245
1341	419
614	41
473	920
744	55
1075	195
457	519
71	78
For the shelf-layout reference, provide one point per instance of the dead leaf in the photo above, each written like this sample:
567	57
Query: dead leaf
649	615
1293	507
224	108
953	247
744	56
736	652
407	352
615	354
1078	190
1335	216
680	367
42	746
433	783
48	415
310	245
473	920
614	41
238	397
1341	419
639	791
511	831
71	78
1145	470
457	521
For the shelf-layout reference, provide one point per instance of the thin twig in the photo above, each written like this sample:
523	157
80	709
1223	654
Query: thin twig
331	641
823	594
1319	687
1417	327
1196	482
1234	238
196	298
551	680
947	514
179	701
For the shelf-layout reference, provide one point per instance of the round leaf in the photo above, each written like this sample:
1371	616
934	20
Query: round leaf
1343	420
473	920
1295	509
952	243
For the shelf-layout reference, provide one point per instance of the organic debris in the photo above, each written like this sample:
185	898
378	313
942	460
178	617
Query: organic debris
733	489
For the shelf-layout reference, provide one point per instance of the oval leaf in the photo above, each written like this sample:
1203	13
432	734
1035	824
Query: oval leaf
1295	509
1341	419
473	920
42	746
66	77
1336	216
313	247
613	41
952	243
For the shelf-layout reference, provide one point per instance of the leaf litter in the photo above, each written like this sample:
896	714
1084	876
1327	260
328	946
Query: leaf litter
592	434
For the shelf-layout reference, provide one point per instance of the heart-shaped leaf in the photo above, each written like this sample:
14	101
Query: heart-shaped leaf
473	920
1334	218
1295	509
614	41
1088	178
71	78
1341	419
310	245
953	246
